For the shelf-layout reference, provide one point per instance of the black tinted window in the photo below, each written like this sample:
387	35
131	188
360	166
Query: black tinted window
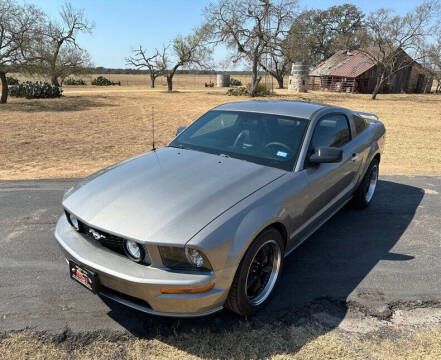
267	139
360	124
332	130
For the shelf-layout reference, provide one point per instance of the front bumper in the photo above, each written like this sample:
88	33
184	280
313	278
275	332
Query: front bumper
139	286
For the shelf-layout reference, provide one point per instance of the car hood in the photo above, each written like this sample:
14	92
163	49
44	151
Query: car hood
165	196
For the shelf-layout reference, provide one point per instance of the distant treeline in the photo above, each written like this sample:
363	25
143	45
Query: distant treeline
103	70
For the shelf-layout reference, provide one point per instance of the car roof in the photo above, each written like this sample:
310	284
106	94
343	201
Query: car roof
277	107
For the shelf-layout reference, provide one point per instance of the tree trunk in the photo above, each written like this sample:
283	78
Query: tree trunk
170	82
54	81
255	78
152	81
5	90
378	85
279	79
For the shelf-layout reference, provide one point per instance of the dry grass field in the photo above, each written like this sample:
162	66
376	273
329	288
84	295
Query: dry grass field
275	342
92	127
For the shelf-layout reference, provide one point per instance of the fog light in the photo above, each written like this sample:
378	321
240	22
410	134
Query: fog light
133	250
74	222
194	257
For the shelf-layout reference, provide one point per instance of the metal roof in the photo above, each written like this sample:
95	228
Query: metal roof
279	107
343	63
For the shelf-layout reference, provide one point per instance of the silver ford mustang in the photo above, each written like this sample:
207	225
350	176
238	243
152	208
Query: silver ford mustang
205	222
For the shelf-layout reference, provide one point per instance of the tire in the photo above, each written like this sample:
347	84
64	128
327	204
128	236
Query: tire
246	300
365	192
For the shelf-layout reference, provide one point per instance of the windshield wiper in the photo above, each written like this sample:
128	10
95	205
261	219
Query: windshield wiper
179	146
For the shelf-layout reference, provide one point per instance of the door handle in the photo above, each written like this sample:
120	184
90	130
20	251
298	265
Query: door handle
355	156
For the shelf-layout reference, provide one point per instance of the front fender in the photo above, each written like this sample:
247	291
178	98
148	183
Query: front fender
225	240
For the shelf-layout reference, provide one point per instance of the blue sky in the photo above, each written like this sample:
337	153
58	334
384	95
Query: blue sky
121	25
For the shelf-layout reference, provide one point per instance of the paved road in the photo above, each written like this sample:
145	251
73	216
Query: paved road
374	260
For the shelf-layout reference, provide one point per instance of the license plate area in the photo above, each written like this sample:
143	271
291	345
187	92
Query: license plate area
83	276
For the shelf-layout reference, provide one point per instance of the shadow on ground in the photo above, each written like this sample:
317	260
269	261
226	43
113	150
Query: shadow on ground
69	103
318	277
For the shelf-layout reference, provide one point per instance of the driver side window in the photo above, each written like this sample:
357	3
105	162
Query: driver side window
331	131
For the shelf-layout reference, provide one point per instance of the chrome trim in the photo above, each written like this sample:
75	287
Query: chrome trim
366	115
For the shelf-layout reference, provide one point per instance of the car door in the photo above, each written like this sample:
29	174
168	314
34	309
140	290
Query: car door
328	185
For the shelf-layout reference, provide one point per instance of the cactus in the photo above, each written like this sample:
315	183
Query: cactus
35	90
77	82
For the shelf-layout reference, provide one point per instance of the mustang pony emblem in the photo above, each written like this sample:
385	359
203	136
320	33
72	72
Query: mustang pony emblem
96	235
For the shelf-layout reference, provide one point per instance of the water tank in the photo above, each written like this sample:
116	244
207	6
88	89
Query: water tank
298	81
223	80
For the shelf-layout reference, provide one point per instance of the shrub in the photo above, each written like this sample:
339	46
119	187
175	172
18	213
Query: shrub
238	91
235	82
261	90
35	90
72	81
101	81
11	81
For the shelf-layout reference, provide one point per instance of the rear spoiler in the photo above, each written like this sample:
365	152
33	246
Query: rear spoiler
366	115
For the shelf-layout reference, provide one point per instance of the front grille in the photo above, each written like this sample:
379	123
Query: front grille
109	241
112	242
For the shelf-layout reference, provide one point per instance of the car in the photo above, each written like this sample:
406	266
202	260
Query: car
206	222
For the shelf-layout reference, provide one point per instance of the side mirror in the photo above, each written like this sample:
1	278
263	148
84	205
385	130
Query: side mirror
324	155
180	129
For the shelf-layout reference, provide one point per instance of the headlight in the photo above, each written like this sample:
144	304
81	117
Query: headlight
180	258
194	257
73	221
134	250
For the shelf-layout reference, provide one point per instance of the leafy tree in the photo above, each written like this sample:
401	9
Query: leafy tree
316	34
188	51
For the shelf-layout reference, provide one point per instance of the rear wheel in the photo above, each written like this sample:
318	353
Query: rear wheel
366	190
257	275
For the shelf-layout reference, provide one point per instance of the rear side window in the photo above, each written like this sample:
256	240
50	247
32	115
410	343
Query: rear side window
331	130
360	124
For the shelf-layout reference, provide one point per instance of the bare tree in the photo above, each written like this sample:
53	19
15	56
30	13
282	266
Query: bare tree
276	61
249	27
19	26
434	60
389	36
141	60
192	50
72	61
56	35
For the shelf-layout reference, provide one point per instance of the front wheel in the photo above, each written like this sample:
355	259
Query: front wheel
257	275
365	192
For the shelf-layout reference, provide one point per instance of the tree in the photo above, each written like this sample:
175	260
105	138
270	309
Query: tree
19	26
57	35
389	36
71	61
249	27
316	34
141	60
191	50
276	61
434	60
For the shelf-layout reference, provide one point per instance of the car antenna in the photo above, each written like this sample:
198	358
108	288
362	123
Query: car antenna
153	129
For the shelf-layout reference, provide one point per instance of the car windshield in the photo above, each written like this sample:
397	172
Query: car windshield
267	139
